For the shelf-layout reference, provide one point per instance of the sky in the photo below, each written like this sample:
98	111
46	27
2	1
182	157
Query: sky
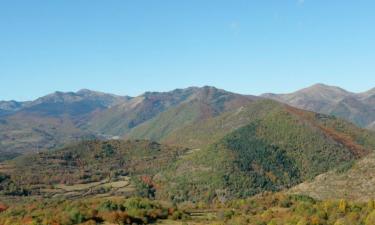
128	47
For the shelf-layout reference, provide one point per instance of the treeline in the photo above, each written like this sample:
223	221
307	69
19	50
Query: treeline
86	162
95	211
265	209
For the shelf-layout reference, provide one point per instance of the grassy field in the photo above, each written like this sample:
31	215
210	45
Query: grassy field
103	188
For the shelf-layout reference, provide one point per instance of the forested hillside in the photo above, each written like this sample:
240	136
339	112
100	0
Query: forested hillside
99	163
280	147
206	103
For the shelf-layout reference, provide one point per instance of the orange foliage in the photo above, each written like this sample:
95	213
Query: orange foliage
3	207
343	139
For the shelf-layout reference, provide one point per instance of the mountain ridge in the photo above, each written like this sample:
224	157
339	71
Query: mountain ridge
356	107
51	120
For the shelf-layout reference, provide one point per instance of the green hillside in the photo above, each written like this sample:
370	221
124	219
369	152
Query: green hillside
167	122
200	107
278	147
202	133
120	119
154	115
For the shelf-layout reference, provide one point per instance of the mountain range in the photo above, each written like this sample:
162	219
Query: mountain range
58	118
263	146
267	144
358	108
50	121
199	154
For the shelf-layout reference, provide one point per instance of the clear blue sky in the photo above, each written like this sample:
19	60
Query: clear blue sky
127	47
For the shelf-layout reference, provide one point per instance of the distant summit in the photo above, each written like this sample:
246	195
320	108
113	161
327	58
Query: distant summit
356	107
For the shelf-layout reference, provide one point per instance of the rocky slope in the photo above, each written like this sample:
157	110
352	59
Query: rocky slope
353	181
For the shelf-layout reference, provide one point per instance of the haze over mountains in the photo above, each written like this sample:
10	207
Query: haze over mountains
51	120
58	118
61	117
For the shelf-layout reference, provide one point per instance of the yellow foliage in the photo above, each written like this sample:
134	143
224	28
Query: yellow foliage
302	221
267	215
90	222
272	222
315	220
342	205
371	205
340	222
370	220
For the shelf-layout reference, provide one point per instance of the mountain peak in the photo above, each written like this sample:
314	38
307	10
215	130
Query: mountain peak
321	86
88	92
85	91
210	88
322	92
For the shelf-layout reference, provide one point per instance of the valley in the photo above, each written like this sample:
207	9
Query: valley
187	112
189	156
